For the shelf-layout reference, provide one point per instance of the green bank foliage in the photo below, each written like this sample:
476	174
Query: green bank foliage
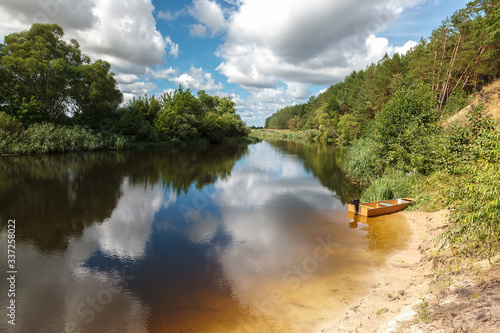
272	135
54	99
472	165
392	113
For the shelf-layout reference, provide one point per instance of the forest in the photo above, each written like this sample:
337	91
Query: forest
397	119
53	98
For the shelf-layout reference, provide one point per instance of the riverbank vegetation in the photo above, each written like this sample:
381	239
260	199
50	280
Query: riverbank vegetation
400	118
267	134
53	98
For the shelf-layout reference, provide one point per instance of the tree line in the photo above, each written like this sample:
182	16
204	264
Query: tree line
54	98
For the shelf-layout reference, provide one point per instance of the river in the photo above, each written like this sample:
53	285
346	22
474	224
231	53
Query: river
249	238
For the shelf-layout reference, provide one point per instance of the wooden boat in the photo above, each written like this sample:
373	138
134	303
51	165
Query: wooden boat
375	208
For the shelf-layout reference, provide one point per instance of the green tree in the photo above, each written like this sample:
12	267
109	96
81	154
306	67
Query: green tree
96	95
404	128
44	78
180	116
349	128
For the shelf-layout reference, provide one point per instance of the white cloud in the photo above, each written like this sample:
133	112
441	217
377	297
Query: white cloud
16	15
127	230
126	78
298	90
210	16
197	79
165	73
169	16
297	41
174	48
263	102
136	88
275	43
123	33
405	48
197	30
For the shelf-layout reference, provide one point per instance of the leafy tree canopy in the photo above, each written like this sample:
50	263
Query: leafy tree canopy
44	78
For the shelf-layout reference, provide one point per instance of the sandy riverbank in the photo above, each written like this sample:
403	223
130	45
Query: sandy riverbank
417	293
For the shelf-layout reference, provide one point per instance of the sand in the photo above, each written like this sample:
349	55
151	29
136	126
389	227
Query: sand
405	296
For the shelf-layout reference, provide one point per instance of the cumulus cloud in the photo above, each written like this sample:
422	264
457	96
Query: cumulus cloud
197	30
16	15
165	73
123	33
296	41
210	16
262	102
280	48
136	88
174	48
197	79
169	15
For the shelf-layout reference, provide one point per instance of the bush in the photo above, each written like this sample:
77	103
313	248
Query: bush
362	161
10	132
50	138
406	129
349	128
394	184
474	197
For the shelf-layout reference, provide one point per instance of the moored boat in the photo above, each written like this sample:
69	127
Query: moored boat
381	207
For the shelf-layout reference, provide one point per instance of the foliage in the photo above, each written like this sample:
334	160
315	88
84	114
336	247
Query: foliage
278	135
10	131
394	184
456	102
474	196
48	138
361	162
405	128
296	123
349	128
45	78
184	117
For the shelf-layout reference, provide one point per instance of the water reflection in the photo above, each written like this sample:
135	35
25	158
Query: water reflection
125	233
220	239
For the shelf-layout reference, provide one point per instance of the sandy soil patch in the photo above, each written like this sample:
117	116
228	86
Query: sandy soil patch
416	292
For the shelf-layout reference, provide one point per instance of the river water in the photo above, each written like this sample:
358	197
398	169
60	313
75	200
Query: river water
221	239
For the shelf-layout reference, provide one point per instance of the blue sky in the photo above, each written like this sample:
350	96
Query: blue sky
266	54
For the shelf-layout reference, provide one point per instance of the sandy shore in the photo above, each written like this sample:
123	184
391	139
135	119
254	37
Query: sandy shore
404	297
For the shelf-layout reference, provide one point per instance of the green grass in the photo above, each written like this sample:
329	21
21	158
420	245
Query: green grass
394	184
361	162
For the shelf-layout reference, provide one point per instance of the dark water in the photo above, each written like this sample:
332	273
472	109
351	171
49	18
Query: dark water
221	239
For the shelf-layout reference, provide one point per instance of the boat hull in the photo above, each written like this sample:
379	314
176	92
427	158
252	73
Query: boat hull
382	207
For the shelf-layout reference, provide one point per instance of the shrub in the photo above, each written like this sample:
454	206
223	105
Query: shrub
362	161
50	138
10	132
474	197
406	129
394	184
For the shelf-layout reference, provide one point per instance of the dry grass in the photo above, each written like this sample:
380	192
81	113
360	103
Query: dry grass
489	96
